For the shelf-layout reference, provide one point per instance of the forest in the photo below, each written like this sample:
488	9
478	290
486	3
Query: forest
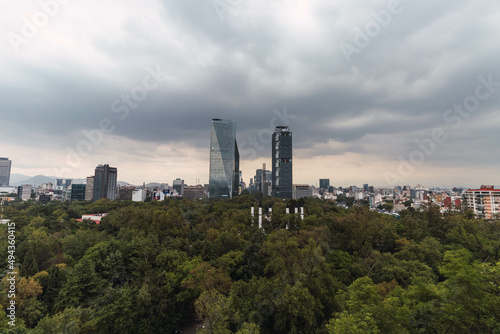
162	266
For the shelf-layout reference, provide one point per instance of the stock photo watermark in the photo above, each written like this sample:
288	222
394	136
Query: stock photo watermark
362	37
39	20
11	274
254	144
122	107
224	7
454	116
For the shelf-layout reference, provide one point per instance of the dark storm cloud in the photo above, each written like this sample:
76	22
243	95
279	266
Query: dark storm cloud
427	59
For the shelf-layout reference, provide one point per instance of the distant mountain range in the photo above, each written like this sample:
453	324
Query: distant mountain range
20	179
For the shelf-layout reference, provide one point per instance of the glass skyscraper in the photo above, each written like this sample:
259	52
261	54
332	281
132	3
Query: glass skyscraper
324	183
282	163
5	165
224	160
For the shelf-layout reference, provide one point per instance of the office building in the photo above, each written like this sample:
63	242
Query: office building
266	181
78	192
485	202
139	195
89	189
63	184
302	190
324	183
178	186
194	192
24	192
5	166
258	180
44	198
105	180
125	193
282	178
224	160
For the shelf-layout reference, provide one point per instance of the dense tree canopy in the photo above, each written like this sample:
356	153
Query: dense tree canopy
158	267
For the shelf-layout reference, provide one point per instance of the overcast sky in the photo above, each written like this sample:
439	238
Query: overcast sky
358	89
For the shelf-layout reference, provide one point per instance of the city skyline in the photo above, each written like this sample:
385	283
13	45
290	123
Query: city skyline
359	101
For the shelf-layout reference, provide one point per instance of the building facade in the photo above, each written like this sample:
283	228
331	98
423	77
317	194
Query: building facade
63	184
324	183
105	180
78	192
5	166
24	192
194	192
139	195
89	189
302	190
224	160
282	171
178	185
258	180
485	202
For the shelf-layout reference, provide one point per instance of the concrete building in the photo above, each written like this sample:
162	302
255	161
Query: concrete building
5	166
224	160
139	195
485	202
258	180
302	190
24	192
125	193
194	192
105	180
178	185
89	189
282	168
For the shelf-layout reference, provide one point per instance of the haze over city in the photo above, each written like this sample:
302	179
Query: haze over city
361	87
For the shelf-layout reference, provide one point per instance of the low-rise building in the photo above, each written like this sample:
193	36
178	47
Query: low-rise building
139	195
302	190
95	217
194	192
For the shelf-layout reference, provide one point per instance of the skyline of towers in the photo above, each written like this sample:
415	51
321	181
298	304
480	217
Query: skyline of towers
282	169
105	180
5	167
224	160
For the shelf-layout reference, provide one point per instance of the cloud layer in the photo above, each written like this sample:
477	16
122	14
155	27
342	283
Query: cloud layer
241	60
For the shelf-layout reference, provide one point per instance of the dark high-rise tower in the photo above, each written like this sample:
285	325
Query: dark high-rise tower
324	183
282	163
224	160
5	165
105	180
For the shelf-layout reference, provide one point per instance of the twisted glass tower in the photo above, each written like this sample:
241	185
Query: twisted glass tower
224	160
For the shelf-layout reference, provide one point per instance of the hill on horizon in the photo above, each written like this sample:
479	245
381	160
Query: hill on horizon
20	179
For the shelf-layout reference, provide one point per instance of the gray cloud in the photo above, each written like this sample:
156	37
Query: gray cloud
265	56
